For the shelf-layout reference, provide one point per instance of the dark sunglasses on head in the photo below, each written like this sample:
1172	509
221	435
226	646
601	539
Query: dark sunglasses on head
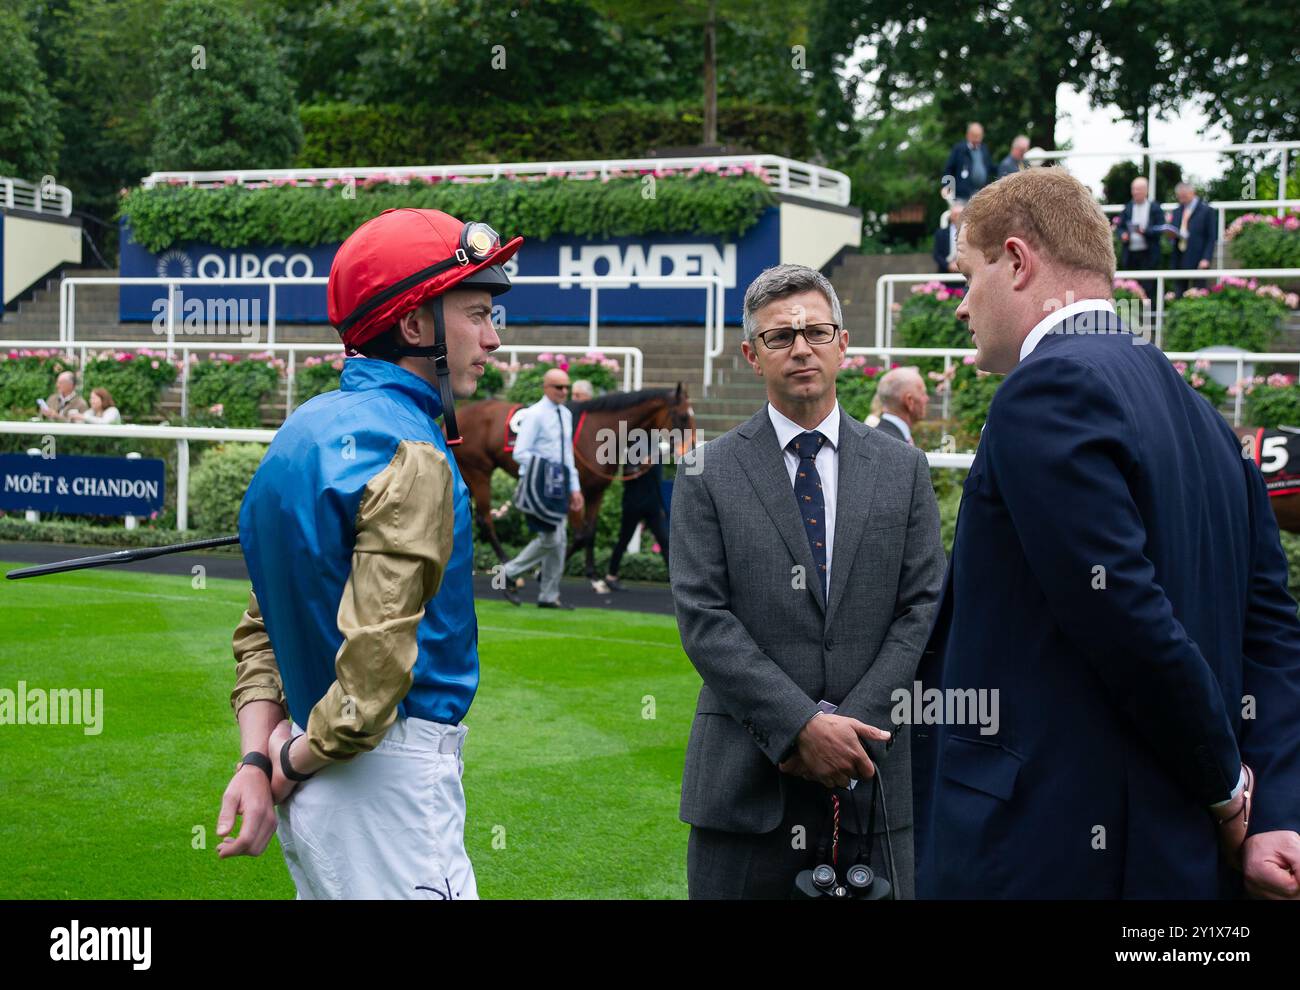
779	338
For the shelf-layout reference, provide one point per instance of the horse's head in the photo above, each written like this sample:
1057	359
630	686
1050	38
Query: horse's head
681	422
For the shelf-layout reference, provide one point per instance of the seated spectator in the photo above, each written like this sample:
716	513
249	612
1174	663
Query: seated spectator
903	401
969	167
64	400
1015	162
945	242
102	409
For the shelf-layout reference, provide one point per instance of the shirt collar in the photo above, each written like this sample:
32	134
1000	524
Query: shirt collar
1059	316
900	423
787	429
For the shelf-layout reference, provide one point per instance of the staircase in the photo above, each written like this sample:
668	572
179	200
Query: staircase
854	279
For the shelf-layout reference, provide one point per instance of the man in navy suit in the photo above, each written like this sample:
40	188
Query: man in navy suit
1116	599
1195	233
945	242
1137	232
970	166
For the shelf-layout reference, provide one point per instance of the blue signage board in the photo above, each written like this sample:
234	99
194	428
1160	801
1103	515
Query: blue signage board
629	301
79	485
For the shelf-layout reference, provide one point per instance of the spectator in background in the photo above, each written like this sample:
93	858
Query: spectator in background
1015	161
969	167
64	399
945	242
102	409
1137	226
903	401
643	501
582	391
1195	233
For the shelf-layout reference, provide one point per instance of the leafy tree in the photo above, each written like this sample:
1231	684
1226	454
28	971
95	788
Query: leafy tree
222	100
29	134
1116	182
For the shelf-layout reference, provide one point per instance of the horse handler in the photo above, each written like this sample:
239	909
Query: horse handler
357	533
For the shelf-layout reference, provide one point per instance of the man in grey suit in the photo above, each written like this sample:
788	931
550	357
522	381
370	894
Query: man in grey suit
805	573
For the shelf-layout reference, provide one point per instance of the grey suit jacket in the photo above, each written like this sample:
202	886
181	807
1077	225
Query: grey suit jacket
768	648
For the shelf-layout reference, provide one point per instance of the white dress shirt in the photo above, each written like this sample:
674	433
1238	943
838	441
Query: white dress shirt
1140	216
1056	316
109	415
539	435
827	463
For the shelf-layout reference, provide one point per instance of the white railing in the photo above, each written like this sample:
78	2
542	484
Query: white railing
885	290
182	435
787	175
45	197
1153	154
632	358
1239	359
712	285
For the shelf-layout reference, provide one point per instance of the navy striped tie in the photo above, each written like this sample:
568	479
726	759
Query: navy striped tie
808	495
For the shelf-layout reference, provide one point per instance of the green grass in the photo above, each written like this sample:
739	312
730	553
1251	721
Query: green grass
561	766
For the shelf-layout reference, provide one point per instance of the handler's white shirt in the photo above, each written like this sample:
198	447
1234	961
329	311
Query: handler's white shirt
827	464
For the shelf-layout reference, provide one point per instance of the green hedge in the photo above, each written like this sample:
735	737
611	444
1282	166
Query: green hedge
1266	242
1236	312
1273	402
26	375
236	216
343	135
225	391
527	386
927	318
135	380
855	386
218	484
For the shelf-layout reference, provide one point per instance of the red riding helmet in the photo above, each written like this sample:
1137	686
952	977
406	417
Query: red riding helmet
401	259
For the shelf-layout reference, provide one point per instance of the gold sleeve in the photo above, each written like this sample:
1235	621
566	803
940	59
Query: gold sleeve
405	525
257	675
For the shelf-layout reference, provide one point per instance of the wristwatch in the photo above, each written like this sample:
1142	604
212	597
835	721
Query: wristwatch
259	760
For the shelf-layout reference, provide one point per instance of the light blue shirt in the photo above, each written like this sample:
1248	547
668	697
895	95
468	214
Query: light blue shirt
539	435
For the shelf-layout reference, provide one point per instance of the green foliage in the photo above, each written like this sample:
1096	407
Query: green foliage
316	375
1262	243
492	381
527	387
972	393
1271	406
78	531
218	483
135	380
928	319
855	387
29	135
1226	314
236	216
25	376
344	135
227	105
238	387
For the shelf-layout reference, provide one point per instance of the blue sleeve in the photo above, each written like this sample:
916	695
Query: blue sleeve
1270	742
1060	451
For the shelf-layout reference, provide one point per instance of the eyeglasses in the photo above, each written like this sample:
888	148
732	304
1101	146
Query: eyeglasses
562	388
779	338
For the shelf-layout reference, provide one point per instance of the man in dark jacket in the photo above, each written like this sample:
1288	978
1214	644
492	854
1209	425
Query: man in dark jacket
970	166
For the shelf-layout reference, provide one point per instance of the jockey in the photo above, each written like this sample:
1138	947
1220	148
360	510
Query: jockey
356	530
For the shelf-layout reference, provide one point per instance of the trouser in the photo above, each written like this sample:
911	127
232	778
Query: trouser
732	865
654	520
387	824
546	549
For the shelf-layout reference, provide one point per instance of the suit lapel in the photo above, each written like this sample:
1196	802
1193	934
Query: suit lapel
765	467
855	488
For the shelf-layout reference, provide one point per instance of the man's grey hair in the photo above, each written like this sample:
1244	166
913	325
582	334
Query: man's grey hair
1185	185
66	375
781	282
584	386
894	384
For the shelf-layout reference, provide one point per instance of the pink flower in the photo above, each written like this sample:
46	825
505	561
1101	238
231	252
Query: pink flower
154	365
217	410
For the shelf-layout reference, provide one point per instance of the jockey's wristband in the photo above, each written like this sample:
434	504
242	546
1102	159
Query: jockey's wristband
287	768
258	760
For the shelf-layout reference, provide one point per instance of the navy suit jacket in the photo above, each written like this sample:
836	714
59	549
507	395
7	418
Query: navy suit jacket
1150	258
1117	578
941	250
958	166
1202	235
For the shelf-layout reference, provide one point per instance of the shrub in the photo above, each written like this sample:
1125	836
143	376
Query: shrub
306	213
927	318
218	483
26	375
1271	401
135	379
232	388
315	376
602	372
972	393
1235	312
1266	242
855	386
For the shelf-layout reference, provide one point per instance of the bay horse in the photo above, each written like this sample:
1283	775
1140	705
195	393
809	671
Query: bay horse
603	427
1286	506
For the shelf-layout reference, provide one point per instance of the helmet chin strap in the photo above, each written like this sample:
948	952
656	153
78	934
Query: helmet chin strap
438	353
